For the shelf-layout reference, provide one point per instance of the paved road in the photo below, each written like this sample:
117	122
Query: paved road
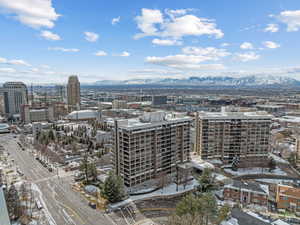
65	207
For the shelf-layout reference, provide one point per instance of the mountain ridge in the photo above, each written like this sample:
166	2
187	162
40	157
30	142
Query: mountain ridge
246	81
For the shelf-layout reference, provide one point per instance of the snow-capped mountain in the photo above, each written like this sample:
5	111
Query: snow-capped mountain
246	81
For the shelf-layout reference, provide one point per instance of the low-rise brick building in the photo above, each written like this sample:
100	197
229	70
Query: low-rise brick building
246	193
288	197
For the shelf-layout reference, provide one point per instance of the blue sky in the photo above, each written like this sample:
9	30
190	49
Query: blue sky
47	40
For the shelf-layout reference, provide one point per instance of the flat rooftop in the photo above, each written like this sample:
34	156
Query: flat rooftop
235	115
152	121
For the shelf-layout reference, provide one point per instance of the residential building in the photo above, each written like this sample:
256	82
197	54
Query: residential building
277	110
30	114
151	146
159	100
246	193
119	104
231	135
288	197
15	94
73	93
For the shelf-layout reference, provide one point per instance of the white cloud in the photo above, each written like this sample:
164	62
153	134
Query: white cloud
35	70
272	28
177	12
182	61
91	36
100	53
33	13
7	70
248	56
116	20
125	54
177	25
3	60
147	21
210	53
271	44
192	58
225	44
190	25
246	45
64	49
166	42
18	62
291	19
48	35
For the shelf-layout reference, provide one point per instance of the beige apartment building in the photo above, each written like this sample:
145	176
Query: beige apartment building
31	114
230	135
73	93
150	147
119	104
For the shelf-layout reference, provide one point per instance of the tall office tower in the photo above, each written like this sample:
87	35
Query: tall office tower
73	92
230	136
150	147
15	94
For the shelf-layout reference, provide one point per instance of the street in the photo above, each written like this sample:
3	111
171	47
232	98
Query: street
63	205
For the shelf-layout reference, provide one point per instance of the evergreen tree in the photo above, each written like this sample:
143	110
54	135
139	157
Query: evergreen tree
113	188
207	182
199	210
224	213
51	136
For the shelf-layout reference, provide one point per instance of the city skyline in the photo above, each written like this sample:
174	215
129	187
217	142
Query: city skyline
146	40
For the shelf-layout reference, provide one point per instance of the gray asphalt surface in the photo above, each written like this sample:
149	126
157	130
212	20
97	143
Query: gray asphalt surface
65	206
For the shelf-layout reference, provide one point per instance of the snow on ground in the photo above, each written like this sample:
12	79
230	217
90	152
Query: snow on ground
231	221
273	181
278	159
200	164
220	177
257	208
215	161
257	216
45	209
255	170
279	222
166	191
265	188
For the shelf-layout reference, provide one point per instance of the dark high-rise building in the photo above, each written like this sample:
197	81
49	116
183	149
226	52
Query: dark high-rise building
159	100
73	92
15	94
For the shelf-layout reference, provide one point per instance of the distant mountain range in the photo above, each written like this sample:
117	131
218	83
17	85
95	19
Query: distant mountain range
246	81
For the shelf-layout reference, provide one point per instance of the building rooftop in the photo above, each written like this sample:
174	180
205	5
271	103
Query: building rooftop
252	186
235	115
153	119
